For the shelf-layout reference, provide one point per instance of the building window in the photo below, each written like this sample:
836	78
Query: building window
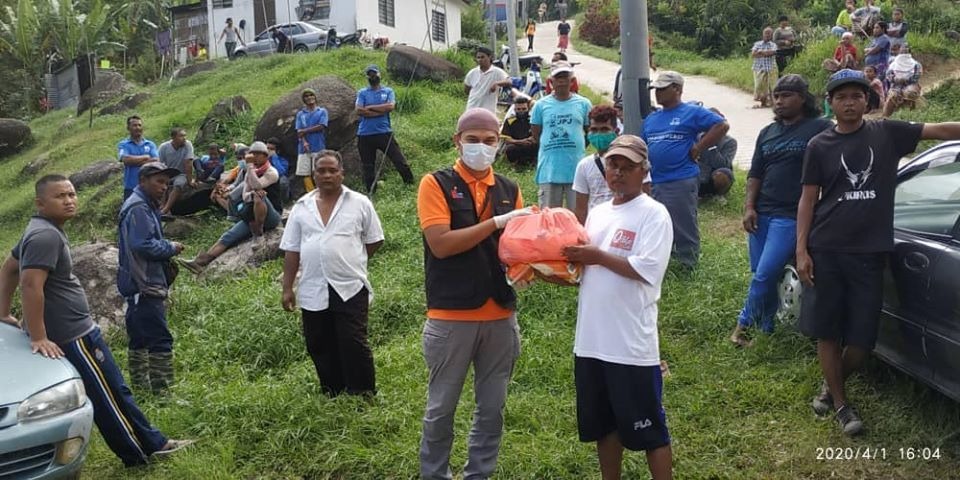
222	3
385	8
438	27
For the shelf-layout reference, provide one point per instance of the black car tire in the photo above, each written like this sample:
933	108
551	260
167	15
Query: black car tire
301	48
239	54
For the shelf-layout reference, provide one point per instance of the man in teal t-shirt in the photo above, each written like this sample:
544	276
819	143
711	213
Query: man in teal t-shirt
558	123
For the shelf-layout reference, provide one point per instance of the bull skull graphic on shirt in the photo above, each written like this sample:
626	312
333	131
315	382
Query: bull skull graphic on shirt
858	179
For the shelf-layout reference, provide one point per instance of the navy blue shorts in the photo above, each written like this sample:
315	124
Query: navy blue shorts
626	399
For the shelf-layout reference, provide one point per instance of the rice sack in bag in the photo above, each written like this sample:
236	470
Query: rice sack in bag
534	244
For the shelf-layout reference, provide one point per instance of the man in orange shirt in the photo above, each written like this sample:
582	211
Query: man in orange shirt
470	308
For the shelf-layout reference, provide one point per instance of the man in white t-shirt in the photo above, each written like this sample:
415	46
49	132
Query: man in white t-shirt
483	82
589	180
331	233
616	348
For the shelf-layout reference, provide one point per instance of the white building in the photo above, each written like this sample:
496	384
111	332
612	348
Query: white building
418	23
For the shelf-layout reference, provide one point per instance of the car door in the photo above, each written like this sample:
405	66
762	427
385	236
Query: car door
926	207
263	43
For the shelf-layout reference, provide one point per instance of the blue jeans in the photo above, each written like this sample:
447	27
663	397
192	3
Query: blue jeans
123	426
146	321
240	231
771	247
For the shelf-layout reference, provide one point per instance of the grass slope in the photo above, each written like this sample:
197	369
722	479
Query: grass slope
247	391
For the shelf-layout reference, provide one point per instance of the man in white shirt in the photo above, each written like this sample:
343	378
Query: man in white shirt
483	82
330	234
617	354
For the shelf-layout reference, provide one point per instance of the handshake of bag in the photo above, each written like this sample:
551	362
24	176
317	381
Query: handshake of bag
531	247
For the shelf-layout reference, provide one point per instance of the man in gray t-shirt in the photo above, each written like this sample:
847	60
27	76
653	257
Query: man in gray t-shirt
177	153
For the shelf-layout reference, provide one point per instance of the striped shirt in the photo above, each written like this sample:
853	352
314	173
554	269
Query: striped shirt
763	64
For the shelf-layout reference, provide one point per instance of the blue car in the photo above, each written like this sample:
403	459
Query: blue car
45	416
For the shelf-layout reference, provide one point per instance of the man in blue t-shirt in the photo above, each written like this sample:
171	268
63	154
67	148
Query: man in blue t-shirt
311	128
374	104
559	123
672	137
134	151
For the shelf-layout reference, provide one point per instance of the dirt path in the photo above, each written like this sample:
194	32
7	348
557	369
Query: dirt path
745	123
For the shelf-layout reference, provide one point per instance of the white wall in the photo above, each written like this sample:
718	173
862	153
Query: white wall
410	22
217	19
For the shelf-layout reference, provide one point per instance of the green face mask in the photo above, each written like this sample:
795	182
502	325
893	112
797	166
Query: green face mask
601	141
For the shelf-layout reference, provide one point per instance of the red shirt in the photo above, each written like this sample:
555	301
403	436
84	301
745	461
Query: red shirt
842	51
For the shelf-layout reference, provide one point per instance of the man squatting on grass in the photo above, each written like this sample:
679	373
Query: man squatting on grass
845	232
57	318
330	235
616	348
471	310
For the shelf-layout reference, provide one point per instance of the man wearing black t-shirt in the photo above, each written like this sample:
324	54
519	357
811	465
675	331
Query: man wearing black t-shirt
845	231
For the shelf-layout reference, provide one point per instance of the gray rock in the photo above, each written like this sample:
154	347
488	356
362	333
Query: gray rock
212	126
194	69
33	168
193	199
333	93
128	103
952	35
107	86
406	62
234	262
95	264
96	174
14	135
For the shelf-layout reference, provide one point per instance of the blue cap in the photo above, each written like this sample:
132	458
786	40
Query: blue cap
371	68
846	76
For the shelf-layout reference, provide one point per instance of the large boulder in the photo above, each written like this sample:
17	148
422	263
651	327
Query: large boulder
33	168
408	62
194	69
14	135
95	265
107	86
333	93
128	103
193	199
234	262
212	126
96	174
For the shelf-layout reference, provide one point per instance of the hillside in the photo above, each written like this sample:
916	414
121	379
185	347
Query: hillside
248	393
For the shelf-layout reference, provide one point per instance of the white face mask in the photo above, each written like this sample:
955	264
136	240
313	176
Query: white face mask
478	156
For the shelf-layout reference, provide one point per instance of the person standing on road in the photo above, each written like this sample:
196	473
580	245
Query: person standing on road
562	9
311	125
786	39
559	123
374	104
617	369
56	316
763	52
770	209
232	36
471	310
563	34
483	81
531	31
673	135
144	278
331	234
845	233
177	153
133	151
542	11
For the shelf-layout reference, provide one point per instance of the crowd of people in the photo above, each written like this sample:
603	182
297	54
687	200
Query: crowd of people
819	191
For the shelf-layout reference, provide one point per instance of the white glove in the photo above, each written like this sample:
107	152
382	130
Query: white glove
501	220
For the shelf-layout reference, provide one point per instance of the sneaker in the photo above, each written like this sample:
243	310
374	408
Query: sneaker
823	403
739	337
849	420
191	265
172	446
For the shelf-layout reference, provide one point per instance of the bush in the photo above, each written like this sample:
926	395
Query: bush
470	45
601	23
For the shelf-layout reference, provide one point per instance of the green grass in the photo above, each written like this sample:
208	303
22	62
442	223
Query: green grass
247	391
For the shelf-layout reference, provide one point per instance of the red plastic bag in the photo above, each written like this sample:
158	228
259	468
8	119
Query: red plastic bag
534	244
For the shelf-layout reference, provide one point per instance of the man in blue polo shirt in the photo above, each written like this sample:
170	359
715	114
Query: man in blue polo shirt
134	151
374	104
672	138
311	128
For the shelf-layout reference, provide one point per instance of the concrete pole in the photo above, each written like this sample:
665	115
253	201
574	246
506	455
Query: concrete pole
492	14
635	61
512	35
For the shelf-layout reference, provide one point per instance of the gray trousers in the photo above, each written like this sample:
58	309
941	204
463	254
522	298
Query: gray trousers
552	195
680	198
449	347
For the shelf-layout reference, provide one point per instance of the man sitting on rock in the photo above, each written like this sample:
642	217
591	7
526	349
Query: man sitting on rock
177	153
210	166
229	187
519	145
258	212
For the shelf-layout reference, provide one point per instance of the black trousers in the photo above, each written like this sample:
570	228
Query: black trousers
336	340
386	143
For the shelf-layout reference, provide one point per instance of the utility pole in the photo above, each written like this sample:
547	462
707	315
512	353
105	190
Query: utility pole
524	8
492	15
512	35
635	62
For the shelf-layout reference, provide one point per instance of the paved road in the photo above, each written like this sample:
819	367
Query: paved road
745	122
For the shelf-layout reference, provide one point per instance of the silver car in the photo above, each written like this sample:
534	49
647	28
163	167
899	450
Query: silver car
304	37
45	416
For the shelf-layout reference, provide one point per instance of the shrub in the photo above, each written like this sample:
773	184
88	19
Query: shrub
601	23
470	45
